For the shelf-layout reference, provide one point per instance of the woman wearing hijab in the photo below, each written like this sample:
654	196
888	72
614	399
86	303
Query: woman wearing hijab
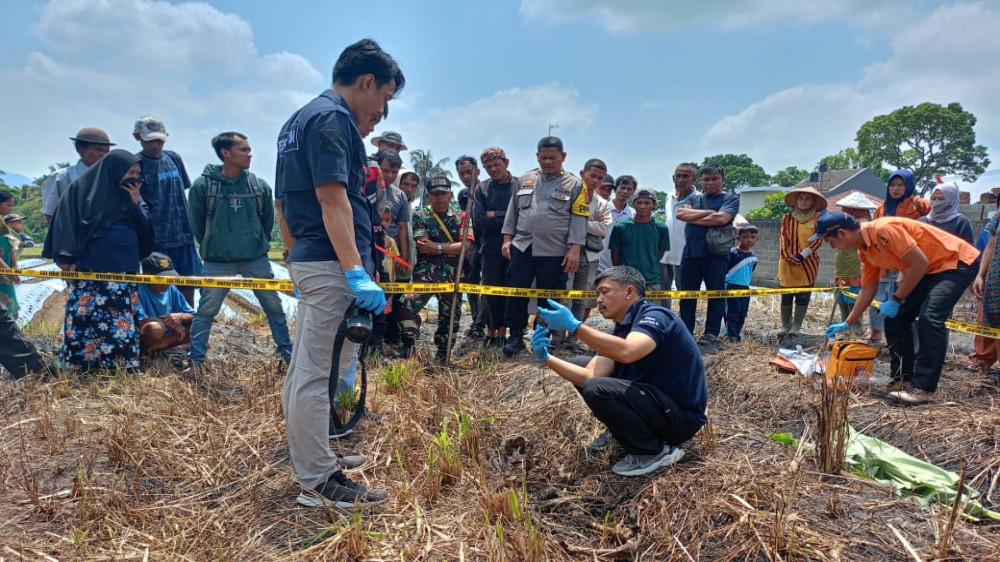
799	262
8	257
899	202
944	213
100	226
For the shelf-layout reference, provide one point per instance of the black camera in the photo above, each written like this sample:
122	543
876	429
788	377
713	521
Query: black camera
357	324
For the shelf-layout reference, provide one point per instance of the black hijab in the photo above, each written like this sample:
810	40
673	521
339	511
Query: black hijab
90	205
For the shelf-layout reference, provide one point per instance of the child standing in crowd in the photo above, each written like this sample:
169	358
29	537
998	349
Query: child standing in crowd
742	262
389	264
799	261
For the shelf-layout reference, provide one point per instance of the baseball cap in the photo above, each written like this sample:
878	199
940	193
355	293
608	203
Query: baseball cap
13	217
645	192
159	264
150	128
608	180
830	223
438	184
92	135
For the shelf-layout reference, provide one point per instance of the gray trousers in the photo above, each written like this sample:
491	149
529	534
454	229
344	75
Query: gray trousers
324	296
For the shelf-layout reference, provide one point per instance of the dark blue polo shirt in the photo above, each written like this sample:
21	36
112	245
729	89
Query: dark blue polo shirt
674	367
320	144
694	234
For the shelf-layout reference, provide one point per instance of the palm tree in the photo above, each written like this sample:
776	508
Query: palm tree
424	166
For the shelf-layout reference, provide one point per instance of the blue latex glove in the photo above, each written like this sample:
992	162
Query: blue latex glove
834	329
540	343
889	309
559	318
368	295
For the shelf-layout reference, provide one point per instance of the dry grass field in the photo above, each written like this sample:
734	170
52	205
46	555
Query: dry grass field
485	461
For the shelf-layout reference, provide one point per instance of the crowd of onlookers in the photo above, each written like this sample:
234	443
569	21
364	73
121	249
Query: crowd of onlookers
547	228
350	221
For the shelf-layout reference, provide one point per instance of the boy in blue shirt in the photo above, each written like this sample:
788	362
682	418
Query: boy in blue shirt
164	314
742	262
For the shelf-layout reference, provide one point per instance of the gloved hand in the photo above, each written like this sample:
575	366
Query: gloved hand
889	309
540	343
368	295
559	317
834	329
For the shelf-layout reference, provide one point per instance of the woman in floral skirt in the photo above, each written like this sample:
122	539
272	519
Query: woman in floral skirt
100	226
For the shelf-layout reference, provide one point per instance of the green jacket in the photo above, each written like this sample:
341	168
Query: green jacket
236	232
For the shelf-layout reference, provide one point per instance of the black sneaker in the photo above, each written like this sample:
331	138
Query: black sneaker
514	345
340	491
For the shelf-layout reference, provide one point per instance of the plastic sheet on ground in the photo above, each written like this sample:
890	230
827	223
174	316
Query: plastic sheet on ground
911	476
32	296
807	363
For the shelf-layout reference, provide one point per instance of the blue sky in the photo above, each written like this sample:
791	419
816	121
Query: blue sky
640	84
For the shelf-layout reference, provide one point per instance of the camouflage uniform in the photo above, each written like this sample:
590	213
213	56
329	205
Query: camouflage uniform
432	268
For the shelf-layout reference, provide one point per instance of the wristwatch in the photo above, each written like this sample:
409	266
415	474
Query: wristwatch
900	300
439	249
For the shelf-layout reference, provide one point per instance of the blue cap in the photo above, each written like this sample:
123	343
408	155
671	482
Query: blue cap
830	223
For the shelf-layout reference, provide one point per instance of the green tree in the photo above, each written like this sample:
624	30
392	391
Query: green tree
846	159
741	171
424	166
774	208
789	176
927	139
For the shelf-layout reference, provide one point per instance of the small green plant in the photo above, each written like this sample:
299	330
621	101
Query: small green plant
397	376
347	399
447	462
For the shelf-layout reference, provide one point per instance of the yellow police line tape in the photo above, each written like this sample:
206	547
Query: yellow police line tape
392	288
956	325
469	288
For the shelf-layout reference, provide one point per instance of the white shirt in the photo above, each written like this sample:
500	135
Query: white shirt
616	217
676	228
600	222
55	185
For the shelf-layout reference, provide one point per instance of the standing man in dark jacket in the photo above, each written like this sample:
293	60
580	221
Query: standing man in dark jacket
164	181
232	214
490	201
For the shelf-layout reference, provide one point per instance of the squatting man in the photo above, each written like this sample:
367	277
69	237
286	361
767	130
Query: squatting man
647	383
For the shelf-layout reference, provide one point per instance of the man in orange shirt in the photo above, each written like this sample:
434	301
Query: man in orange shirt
937	267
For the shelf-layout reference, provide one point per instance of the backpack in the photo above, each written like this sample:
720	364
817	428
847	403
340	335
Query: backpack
212	200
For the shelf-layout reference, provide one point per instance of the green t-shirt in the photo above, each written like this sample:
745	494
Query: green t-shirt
640	244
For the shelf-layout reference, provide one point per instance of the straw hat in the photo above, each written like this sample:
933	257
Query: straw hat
791	195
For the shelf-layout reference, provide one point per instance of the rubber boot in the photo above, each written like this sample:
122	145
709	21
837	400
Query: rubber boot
786	319
797	318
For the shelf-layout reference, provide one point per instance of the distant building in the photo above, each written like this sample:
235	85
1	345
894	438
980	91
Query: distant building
836	182
753	197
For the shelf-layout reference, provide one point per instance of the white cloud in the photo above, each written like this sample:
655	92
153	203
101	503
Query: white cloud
641	15
106	63
513	119
948	55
